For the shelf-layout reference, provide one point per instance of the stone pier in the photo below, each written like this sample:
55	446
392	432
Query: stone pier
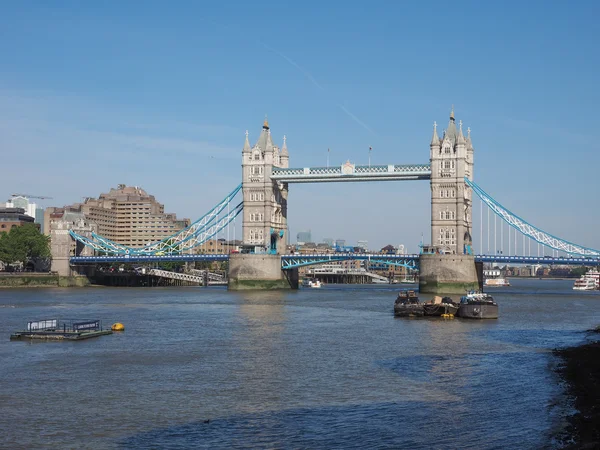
447	274
259	271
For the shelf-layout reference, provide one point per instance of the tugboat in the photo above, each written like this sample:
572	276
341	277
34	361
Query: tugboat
407	305
478	305
440	307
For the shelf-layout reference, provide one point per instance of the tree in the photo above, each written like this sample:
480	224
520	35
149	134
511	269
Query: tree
23	243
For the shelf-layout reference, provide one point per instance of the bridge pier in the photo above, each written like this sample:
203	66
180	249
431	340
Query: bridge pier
448	274
259	271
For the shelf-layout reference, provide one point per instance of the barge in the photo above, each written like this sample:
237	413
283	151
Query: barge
61	330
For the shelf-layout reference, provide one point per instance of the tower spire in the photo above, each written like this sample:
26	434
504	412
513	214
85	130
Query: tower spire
284	149
461	137
266	123
435	140
246	144
452	113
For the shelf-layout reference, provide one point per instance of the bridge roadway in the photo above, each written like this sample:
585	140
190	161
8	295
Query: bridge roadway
299	260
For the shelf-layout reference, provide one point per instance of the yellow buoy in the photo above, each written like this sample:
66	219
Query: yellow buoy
118	327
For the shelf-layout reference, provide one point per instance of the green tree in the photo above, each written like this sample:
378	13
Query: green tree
23	243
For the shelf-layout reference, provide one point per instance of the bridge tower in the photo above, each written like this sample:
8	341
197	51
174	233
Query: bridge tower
451	200
448	266
264	223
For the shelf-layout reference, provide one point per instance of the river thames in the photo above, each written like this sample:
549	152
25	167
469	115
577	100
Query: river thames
315	368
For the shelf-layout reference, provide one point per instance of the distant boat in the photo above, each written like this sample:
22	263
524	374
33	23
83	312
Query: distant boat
311	283
588	282
495	279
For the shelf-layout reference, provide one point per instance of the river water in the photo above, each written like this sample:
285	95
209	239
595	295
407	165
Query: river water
314	368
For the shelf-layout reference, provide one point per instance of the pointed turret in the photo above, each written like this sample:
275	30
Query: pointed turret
469	143
461	137
247	148
435	140
451	131
284	156
269	145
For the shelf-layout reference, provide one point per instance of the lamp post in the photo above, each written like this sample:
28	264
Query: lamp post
327	157
370	148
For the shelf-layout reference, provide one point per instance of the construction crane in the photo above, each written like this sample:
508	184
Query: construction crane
32	196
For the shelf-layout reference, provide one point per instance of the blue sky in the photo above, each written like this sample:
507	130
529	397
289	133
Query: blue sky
159	94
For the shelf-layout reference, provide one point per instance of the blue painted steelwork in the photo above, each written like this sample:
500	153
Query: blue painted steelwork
291	261
194	235
83	260
529	230
351	172
544	260
294	261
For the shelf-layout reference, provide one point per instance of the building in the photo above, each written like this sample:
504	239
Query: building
31	209
13	217
264	225
328	241
363	244
303	237
451	161
127	215
340	242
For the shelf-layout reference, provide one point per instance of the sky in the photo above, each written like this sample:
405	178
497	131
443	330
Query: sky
159	95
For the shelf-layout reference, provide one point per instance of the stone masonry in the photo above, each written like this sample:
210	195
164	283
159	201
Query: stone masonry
265	201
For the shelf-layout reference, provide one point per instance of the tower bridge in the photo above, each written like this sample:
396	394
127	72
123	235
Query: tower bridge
446	265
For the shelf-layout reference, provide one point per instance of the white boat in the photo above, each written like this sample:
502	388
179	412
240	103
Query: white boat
311	283
496	282
494	278
588	282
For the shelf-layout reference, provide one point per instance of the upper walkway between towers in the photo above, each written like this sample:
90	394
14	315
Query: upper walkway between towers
351	172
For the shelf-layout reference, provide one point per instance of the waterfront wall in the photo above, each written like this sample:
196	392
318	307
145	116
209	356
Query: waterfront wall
252	271
41	280
447	274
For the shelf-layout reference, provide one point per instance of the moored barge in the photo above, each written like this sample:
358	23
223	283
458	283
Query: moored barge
61	330
407	305
478	305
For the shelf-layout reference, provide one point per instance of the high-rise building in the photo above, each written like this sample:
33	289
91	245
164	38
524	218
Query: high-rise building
128	215
340	242
303	237
363	244
328	241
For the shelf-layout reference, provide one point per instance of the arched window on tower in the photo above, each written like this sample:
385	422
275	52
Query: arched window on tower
446	164
256	156
447	149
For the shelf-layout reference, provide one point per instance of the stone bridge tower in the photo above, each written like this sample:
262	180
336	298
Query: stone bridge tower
264	226
451	200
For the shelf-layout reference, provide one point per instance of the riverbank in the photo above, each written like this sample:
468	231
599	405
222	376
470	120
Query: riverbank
580	369
29	280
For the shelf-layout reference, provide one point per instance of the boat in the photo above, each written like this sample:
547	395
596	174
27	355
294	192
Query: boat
440	307
494	278
407	305
588	282
477	305
311	283
496	282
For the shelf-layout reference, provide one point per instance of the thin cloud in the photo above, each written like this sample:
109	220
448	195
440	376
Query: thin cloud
316	83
